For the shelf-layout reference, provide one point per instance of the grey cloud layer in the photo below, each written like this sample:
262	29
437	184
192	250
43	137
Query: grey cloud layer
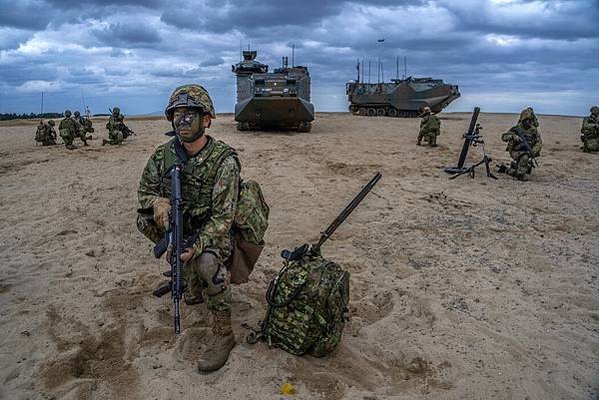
124	46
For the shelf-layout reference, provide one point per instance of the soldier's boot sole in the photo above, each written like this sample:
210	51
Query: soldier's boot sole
217	355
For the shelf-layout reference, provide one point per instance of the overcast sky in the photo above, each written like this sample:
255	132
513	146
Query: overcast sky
504	54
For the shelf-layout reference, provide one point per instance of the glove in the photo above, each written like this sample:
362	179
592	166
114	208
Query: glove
162	207
517	139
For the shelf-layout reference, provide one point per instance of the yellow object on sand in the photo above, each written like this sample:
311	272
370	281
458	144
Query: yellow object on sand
287	389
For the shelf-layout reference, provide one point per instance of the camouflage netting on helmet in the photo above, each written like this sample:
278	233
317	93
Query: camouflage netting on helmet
192	95
307	307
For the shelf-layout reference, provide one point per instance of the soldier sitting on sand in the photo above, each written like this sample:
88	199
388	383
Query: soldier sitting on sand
430	128
590	131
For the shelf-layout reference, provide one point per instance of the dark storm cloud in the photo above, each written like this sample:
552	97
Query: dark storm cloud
125	34
77	4
30	15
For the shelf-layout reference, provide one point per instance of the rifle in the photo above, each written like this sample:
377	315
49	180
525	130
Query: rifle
468	136
532	161
173	240
300	251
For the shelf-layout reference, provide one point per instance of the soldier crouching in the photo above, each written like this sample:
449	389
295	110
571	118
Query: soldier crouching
430	128
589	133
517	138
210	189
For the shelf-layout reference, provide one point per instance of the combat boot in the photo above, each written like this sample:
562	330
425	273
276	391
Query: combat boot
224	341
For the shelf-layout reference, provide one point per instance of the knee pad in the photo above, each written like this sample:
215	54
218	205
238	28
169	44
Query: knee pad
213	274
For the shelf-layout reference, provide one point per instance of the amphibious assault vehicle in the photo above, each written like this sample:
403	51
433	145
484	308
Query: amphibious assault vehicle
404	98
279	99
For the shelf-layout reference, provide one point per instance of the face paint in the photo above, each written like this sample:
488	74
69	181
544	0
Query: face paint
188	124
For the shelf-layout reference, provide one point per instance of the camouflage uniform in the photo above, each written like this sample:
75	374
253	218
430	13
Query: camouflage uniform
210	190
430	128
80	123
117	130
590	131
210	186
68	130
46	134
525	127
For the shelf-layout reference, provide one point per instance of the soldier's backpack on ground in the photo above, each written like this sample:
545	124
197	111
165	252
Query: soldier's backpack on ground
307	306
307	299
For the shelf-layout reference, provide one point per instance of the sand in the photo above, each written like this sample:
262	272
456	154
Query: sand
460	289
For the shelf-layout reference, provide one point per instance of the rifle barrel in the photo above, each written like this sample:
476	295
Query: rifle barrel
347	210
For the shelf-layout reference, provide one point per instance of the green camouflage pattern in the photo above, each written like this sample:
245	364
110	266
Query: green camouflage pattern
251	216
430	128
310	298
46	134
519	168
68	130
590	131
527	113
117	130
210	188
197	96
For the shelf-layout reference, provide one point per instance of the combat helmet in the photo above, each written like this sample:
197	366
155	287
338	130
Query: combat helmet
595	110
192	95
51	122
116	110
67	113
426	110
77	113
527	113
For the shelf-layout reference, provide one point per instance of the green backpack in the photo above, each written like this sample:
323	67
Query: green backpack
307	306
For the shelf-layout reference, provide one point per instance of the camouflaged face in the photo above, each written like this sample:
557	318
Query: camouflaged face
595	110
190	96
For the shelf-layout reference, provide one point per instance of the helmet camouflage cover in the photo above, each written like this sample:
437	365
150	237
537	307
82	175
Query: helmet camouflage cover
527	113
192	95
116	110
426	110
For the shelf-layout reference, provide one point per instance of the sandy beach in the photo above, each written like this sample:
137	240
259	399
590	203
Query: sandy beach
460	289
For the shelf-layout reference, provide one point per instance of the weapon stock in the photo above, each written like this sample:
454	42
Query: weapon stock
300	251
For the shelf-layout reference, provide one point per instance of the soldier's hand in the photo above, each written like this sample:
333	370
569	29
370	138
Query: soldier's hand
187	254
517	139
162	207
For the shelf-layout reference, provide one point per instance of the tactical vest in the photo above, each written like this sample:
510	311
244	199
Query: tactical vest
197	203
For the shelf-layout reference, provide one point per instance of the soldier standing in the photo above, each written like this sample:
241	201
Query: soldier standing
524	131
430	128
68	130
210	189
590	131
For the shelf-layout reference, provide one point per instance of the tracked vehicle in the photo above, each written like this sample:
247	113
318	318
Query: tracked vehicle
404	98
272	100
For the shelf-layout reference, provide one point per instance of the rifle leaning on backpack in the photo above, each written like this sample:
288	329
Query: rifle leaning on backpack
300	251
532	161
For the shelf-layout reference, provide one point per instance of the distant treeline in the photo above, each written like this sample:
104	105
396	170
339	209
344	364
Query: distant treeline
9	116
